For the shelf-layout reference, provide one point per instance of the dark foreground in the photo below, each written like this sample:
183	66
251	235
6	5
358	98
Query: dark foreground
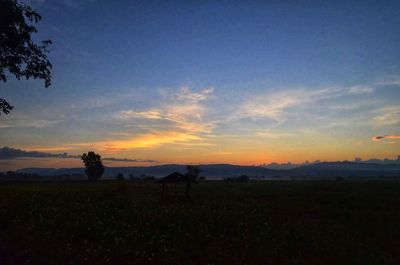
222	223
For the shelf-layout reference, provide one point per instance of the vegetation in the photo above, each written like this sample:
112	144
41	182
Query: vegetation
94	165
223	223
192	173
21	176
19	55
241	178
120	177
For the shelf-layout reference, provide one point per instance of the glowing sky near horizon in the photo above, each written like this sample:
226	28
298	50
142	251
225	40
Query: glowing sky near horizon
205	82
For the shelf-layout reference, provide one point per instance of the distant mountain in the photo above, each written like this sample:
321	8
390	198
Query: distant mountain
278	166
290	165
218	171
51	171
346	169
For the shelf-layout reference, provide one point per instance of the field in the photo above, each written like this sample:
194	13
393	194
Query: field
221	223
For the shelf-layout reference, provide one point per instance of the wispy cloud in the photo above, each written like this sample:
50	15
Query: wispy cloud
149	140
391	80
356	90
337	106
272	106
352	107
179	118
29	123
389	115
131	114
275	105
392	142
185	94
114	159
273	134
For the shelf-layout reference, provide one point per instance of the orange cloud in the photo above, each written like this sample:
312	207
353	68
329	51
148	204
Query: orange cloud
150	140
378	138
113	148
183	121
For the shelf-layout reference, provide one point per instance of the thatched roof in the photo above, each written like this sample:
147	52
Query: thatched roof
173	178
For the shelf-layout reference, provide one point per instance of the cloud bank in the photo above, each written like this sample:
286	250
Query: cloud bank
8	153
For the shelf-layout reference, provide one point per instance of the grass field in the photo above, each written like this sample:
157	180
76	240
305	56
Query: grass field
222	223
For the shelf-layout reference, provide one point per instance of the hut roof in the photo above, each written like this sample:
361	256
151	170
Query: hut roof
173	178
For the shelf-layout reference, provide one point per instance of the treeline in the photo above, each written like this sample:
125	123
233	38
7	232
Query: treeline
131	177
241	178
21	176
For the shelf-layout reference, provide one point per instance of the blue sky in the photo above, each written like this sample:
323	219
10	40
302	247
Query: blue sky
213	81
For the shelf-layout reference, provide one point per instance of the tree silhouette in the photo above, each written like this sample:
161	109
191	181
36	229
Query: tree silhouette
192	173
94	165
120	176
5	107
19	55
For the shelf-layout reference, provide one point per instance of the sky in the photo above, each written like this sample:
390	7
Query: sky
195	82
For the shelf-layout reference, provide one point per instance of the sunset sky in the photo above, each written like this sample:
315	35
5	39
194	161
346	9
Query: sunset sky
244	82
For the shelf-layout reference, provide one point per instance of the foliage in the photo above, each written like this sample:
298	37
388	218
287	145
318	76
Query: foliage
146	178
120	176
19	55
22	176
5	107
192	173
241	178
132	177
142	178
94	165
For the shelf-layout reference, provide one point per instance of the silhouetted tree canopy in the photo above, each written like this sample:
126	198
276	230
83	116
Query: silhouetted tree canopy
94	165
5	107
192	173
19	55
120	176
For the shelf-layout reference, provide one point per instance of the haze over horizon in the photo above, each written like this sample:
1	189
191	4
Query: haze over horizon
203	82
12	159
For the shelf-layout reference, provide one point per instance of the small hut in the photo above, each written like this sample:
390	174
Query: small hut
174	184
